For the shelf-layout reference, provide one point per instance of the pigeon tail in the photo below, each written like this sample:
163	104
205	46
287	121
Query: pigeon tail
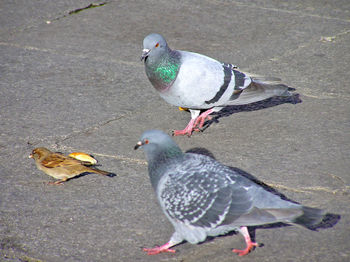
273	83
270	88
310	217
259	90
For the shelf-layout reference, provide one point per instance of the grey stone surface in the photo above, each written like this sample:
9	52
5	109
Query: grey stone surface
76	84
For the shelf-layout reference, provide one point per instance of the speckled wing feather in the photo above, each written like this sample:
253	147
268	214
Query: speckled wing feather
198	193
54	160
59	160
201	192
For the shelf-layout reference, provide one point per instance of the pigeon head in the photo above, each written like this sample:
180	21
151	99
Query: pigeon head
158	145
161	63
160	151
154	46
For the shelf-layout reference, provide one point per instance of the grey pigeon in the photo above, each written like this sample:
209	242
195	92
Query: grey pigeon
197	82
202	197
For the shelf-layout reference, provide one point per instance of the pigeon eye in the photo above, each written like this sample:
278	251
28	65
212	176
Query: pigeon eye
146	141
157	44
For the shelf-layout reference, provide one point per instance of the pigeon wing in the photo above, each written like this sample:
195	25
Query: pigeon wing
198	193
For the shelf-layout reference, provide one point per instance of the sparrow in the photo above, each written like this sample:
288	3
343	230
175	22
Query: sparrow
60	166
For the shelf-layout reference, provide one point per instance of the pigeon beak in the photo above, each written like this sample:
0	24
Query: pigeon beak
138	145
145	53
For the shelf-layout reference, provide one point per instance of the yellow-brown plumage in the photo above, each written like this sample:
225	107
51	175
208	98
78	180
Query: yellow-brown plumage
60	166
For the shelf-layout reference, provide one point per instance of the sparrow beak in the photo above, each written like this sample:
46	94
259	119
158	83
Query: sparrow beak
138	145
30	156
145	53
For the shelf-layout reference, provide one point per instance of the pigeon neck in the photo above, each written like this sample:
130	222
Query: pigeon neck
163	69
159	161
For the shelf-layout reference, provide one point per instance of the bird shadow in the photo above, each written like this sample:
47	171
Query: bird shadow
267	103
89	173
329	220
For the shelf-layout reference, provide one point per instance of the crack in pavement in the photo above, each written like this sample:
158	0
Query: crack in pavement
92	5
310	189
56	52
76	11
300	47
71	12
322	95
95	127
73	134
123	158
343	191
118	61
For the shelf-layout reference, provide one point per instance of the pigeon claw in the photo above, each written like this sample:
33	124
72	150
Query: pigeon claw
250	244
202	117
182	133
250	247
187	131
191	126
157	250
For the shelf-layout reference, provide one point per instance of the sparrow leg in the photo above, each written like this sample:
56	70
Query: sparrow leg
200	120
162	249
250	244
59	182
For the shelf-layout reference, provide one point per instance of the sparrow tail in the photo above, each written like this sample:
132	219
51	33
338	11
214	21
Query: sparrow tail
100	172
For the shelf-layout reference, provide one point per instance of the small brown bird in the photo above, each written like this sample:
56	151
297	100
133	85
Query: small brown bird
60	166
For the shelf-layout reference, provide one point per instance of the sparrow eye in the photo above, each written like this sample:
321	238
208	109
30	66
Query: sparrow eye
157	44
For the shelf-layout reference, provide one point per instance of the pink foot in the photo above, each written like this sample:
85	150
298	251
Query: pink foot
162	249
191	126
201	118
245	251
250	244
187	131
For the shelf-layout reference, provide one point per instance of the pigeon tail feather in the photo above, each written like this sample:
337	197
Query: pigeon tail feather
258	91
310	217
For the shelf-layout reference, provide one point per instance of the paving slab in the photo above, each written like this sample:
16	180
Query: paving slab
71	80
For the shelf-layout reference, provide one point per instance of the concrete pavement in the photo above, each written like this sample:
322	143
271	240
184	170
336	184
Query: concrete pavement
71	80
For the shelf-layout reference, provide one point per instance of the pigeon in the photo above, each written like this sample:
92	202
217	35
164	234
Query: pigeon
60	166
202	197
201	84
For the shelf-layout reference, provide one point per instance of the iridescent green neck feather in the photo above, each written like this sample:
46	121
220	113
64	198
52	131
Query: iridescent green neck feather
162	71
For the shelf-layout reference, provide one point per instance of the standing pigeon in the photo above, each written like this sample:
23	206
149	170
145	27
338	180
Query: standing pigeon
202	197
197	82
